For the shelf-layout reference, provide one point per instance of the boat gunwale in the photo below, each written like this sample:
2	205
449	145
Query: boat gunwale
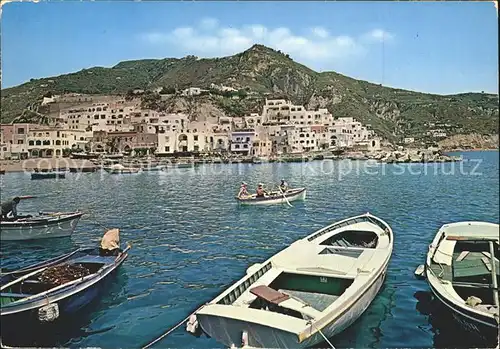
458	307
252	198
48	221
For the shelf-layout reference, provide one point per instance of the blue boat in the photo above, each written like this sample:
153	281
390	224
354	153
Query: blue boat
48	175
55	289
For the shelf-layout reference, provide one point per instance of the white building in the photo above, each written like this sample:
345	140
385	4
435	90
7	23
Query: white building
302	139
242	142
50	142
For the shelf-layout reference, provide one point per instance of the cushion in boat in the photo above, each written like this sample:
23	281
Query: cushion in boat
269	294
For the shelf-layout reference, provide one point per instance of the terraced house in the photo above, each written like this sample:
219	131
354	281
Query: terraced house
53	142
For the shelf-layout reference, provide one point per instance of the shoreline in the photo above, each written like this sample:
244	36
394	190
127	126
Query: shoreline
28	165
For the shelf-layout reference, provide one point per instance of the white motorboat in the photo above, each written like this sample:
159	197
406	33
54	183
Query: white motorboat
45	225
308	292
462	271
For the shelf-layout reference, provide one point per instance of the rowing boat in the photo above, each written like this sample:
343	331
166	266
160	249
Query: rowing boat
274	197
462	269
54	290
309	292
42	226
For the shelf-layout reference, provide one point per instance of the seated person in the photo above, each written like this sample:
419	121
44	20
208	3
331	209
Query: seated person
243	190
283	186
260	190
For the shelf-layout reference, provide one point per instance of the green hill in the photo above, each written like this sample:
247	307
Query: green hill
391	112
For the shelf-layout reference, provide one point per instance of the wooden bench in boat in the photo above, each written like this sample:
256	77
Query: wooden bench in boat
269	294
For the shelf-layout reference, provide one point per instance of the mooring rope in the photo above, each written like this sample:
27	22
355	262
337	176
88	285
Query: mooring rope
171	329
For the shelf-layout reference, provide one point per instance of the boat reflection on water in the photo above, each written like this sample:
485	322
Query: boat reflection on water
447	332
81	325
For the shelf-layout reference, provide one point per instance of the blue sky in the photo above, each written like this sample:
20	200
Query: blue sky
437	47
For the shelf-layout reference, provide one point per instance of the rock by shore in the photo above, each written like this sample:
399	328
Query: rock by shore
413	156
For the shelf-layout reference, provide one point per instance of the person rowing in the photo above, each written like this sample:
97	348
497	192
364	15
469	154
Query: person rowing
9	208
243	190
260	190
283	186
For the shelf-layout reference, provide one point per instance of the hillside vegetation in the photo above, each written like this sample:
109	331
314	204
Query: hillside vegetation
393	113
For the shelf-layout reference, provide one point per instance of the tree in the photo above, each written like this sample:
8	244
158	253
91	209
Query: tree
168	91
242	94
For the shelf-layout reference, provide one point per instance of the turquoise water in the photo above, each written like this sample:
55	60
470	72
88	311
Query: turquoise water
190	239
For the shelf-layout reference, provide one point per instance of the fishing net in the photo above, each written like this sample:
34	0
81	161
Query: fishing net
61	274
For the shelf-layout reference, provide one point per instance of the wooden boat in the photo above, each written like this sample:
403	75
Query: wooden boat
274	197
310	291
120	169
45	225
48	175
85	169
462	271
55	289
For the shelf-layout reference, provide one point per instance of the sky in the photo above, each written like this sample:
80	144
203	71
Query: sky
434	47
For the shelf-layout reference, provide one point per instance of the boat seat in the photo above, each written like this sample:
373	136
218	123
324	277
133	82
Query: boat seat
32	282
14	295
462	255
269	294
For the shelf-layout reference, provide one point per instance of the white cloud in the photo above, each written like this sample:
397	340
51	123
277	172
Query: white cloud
315	45
378	35
320	32
209	23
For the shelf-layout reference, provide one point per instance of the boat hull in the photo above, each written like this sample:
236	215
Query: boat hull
484	327
122	171
50	175
294	195
64	227
69	301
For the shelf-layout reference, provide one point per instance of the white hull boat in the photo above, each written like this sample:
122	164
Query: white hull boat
308	292
274	197
46	225
462	271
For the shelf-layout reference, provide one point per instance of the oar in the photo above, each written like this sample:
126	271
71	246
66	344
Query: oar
284	196
27	197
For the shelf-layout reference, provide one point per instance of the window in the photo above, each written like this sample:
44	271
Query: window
195	138
245	146
237	146
167	148
103	116
196	148
20	130
248	139
31	142
96	117
20	141
58	142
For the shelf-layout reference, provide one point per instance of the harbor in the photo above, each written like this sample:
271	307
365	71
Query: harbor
180	238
